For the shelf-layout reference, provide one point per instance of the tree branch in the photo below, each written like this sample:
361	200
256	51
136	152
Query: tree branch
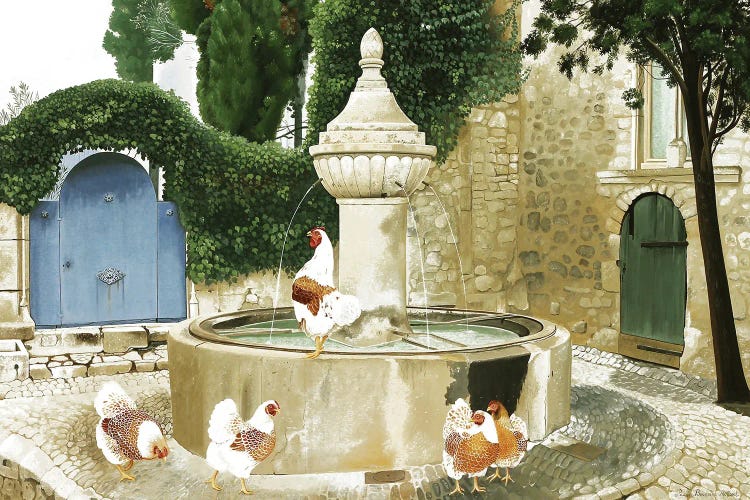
716	114
664	61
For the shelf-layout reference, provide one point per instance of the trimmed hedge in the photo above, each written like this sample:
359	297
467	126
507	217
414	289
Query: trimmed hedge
235	197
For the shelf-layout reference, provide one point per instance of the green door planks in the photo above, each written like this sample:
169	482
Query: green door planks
653	271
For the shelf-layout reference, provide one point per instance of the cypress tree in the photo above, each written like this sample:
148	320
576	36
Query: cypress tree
128	43
247	69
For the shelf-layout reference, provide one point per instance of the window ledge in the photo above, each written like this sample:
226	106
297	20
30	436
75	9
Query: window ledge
722	175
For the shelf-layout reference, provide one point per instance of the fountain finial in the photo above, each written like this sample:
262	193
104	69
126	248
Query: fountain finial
371	46
371	50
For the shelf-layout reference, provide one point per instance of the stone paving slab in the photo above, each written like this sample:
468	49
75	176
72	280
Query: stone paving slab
664	439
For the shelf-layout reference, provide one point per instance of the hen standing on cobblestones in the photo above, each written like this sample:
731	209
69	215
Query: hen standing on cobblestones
237	446
125	433
470	444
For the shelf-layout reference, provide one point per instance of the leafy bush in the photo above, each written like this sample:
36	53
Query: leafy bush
235	197
441	59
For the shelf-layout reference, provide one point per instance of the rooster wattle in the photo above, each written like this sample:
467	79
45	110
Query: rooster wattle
318	306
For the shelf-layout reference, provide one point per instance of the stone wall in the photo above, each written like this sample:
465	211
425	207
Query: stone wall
15	322
538	231
572	130
478	187
17	483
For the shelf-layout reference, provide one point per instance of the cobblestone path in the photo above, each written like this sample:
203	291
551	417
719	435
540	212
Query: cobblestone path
663	438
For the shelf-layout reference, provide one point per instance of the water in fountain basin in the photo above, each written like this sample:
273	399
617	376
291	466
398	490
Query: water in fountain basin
281	259
442	336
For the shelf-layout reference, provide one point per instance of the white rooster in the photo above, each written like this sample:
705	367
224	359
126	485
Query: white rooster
124	433
237	446
470	444
318	306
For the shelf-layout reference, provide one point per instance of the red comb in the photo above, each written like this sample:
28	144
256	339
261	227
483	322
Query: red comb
322	228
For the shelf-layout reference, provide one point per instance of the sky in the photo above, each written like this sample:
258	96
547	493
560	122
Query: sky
53	44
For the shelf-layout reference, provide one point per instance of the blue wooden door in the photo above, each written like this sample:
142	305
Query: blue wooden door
107	251
108	242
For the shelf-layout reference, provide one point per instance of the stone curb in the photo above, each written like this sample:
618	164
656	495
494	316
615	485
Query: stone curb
27	455
670	376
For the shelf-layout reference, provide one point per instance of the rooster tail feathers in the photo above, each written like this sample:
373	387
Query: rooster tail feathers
225	422
345	309
111	400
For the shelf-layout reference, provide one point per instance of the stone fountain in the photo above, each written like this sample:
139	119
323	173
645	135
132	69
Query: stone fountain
377	397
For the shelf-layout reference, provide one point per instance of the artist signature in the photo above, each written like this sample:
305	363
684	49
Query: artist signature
698	492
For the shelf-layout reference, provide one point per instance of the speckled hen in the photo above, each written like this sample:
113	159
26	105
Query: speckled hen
124	433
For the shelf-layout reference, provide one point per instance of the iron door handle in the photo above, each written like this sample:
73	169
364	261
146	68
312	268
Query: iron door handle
67	264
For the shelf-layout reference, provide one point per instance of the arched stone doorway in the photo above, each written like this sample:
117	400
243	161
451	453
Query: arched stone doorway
107	251
653	281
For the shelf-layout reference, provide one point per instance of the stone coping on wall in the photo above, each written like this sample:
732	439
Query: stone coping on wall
726	174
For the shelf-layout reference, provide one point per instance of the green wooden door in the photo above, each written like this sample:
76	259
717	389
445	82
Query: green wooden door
653	271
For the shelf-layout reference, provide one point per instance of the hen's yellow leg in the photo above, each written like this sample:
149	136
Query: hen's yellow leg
244	488
507	477
457	489
124	474
212	481
128	466
477	488
319	341
496	475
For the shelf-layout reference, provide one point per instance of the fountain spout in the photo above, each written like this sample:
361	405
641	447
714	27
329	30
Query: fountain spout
371	158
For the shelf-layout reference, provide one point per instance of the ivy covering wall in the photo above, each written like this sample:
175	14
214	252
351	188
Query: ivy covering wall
442	58
235	197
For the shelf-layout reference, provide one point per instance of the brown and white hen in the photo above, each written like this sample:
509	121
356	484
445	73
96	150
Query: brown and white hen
126	434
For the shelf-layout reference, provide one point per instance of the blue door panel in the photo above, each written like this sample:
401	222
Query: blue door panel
172	291
108	235
44	263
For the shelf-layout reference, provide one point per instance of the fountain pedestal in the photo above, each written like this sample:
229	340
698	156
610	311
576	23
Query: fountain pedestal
371	158
372	266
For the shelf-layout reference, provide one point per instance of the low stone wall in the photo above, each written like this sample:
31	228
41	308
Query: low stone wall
18	483
87	351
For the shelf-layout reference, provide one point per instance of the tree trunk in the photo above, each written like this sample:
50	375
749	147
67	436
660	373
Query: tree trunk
730	378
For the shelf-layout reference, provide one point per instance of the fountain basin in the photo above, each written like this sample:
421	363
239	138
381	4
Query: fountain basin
379	408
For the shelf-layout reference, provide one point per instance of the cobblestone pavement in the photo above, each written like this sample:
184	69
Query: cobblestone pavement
662	435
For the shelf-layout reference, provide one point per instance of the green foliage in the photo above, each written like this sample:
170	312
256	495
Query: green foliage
235	197
130	37
441	59
247	70
189	14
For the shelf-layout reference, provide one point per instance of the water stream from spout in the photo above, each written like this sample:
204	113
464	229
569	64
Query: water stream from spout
458	253
281	259
421	261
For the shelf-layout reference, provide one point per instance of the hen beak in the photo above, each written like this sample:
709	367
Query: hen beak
309	233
